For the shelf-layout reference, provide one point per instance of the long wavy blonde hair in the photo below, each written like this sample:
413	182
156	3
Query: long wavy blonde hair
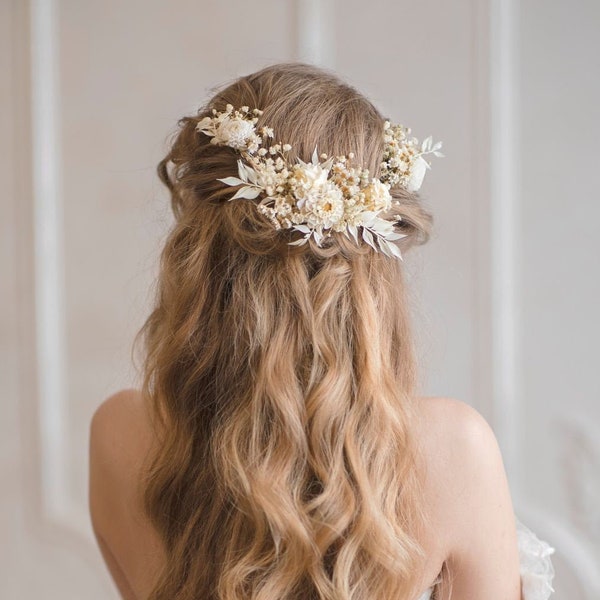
281	378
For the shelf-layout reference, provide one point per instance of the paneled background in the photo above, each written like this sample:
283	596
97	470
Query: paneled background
505	294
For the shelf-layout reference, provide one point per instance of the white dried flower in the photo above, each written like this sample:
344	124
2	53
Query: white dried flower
323	205
306	179
377	196
282	206
235	133
403	162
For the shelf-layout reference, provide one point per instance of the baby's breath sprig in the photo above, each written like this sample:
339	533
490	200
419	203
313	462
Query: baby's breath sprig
403	163
326	194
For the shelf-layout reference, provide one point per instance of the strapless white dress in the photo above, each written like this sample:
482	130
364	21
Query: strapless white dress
536	569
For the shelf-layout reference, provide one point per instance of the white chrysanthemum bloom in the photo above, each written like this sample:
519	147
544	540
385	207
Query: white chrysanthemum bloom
324	206
418	170
377	196
234	132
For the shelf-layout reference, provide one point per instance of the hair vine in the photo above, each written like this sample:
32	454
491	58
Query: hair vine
327	194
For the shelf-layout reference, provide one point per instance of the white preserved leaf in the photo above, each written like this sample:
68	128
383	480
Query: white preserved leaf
353	230
252	175
303	228
247	192
368	237
232	181
315	157
327	164
384	246
247	173
381	226
298	242
242	171
395	251
395	236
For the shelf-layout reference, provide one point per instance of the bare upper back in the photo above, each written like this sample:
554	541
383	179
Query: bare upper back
120	438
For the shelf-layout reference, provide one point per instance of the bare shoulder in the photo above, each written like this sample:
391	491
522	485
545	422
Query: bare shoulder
452	416
469	498
458	443
453	436
453	432
120	439
124	410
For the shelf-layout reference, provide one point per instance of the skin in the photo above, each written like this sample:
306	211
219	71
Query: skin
471	524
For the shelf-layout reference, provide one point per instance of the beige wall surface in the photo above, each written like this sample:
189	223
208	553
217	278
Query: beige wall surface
504	295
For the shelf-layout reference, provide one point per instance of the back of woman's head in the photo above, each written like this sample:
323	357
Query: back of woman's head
281	377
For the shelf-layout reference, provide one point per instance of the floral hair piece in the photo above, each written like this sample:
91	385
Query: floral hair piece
326	194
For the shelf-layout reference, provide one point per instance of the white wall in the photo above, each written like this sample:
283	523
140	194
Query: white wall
504	294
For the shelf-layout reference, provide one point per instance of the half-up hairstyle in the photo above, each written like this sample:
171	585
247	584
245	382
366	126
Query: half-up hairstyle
280	378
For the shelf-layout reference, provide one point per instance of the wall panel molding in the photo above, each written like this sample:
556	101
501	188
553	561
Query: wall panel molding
57	507
503	193
481	379
315	32
48	255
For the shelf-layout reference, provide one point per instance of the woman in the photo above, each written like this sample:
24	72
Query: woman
276	448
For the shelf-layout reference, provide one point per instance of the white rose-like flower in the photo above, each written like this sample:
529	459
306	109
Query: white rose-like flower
417	173
377	196
306	180
234	132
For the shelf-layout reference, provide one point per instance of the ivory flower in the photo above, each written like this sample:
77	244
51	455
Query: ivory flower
306	180
235	133
377	196
323	206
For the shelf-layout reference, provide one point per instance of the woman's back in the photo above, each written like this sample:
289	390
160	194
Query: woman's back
466	499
